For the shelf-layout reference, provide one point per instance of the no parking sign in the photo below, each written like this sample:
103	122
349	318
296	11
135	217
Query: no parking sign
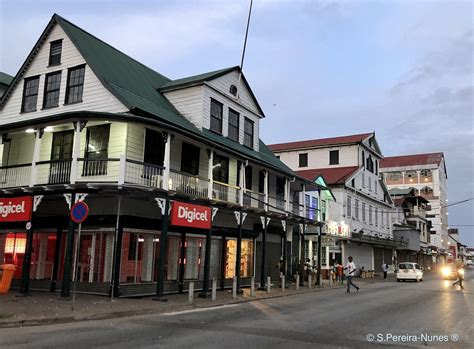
79	212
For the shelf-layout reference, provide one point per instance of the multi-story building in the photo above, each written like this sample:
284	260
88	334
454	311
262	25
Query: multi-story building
427	174
410	224
82	121
362	210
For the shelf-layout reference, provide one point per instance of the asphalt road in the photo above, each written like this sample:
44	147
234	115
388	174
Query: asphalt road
433	311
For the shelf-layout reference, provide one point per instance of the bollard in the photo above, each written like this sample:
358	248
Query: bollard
309	281
252	287
269	284
283	283
297	282
330	278
234	288
191	292
214	289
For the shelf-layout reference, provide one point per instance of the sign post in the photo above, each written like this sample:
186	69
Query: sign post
79	213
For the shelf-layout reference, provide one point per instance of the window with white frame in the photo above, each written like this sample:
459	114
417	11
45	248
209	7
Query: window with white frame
370	214
363	212
370	184
248	132
216	116
376	216
356	209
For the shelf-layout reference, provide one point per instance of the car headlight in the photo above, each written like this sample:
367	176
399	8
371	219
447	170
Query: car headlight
445	271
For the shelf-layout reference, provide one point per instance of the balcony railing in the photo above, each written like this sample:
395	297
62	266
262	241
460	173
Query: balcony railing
254	199
225	192
188	184
15	176
53	172
143	174
126	171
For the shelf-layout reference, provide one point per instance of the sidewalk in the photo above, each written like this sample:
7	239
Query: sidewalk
46	308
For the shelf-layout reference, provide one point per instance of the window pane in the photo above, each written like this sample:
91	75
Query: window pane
216	116
233	125
248	133
75	85
30	94
55	52
51	91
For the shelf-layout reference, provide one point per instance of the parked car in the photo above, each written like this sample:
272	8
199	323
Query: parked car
470	263
409	271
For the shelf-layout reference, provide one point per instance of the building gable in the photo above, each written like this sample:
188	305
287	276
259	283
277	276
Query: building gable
95	96
244	96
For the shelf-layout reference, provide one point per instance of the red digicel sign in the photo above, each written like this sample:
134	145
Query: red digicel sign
189	215
16	209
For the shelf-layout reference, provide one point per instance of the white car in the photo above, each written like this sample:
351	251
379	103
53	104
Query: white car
409	271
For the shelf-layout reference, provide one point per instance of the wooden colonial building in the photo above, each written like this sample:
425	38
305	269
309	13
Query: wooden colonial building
82	121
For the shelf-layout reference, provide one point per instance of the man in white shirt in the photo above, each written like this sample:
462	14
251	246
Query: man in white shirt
351	269
385	270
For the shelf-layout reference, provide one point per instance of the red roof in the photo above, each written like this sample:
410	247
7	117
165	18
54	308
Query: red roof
319	142
332	175
412	160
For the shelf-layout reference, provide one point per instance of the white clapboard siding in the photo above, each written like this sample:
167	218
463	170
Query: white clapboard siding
229	103
21	149
188	101
223	84
135	142
95	96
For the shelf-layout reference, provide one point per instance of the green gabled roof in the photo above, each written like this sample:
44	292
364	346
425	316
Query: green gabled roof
263	155
5	79
399	192
138	88
133	83
197	79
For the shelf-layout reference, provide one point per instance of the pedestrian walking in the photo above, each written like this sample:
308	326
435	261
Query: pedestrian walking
460	275
351	268
385	270
340	272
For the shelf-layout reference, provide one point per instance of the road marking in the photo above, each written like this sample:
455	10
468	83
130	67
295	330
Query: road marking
200	309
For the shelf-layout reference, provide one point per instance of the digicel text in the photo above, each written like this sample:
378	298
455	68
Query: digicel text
5	210
192	216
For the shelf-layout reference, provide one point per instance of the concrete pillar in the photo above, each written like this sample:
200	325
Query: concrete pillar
214	289
252	287
297	282
191	292
269	284
234	287
92	259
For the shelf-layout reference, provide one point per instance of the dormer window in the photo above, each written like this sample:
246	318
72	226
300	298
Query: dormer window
233	132
216	116
248	133
55	52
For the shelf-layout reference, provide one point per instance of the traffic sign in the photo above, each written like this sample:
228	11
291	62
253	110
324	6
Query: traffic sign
79	212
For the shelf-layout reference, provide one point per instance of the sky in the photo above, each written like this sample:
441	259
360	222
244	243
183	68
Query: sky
401	68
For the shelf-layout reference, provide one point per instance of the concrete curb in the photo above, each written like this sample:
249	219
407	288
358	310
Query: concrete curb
168	309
